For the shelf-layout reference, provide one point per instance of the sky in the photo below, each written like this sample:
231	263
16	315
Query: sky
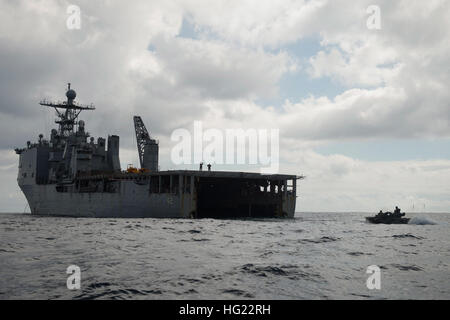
363	111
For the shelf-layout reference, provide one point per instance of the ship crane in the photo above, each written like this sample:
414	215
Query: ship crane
148	148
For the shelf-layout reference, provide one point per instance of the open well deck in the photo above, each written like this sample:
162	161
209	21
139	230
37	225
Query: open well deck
211	194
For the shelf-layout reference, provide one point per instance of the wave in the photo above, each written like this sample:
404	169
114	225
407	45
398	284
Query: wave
407	235
407	267
320	240
238	292
421	221
358	253
290	271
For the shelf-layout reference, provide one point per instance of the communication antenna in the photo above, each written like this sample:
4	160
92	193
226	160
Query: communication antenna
67	118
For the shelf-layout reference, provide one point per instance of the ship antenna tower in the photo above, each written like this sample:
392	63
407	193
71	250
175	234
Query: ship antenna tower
67	111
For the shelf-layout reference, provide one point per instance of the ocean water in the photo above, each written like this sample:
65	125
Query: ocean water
313	256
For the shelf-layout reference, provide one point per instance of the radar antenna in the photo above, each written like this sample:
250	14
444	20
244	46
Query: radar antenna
72	110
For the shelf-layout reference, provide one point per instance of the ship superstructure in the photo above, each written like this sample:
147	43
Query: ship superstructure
71	174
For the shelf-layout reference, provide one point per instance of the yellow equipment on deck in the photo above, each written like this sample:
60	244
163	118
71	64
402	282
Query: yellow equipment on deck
131	169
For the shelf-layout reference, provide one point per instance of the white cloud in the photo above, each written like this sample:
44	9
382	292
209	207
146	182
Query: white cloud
340	183
364	67
219	70
255	23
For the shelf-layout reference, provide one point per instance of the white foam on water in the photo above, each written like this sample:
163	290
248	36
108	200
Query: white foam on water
421	221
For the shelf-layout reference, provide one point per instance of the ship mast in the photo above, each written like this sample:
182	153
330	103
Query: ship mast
68	118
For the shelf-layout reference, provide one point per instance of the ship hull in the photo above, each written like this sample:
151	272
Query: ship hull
394	220
134	200
136	203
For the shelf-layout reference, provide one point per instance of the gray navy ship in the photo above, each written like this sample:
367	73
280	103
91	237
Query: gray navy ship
71	174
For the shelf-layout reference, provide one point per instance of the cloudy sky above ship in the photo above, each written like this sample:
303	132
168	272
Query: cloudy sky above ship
364	114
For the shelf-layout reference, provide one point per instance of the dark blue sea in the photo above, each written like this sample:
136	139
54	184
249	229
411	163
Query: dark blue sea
313	256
